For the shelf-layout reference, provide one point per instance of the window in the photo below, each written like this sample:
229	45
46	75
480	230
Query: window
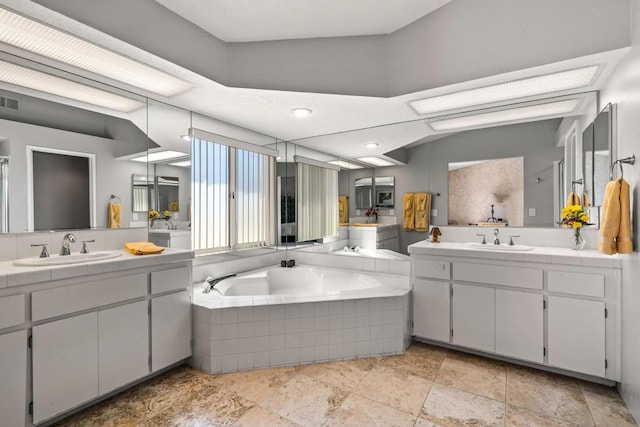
233	194
316	200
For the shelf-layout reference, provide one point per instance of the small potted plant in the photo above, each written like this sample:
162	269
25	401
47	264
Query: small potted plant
153	215
575	217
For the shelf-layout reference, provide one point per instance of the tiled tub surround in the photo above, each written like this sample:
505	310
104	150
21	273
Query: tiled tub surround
253	332
554	307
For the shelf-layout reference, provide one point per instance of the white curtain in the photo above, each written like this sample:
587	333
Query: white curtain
316	202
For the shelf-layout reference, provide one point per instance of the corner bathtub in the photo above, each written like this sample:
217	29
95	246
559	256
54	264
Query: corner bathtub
290	316
301	281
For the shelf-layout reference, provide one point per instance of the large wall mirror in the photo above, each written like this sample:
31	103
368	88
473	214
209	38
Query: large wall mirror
92	145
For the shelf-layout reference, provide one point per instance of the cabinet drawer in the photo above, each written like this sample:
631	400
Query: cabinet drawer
169	280
433	269
12	311
518	277
584	284
70	299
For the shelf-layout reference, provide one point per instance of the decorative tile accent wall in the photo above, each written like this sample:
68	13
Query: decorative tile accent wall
244	338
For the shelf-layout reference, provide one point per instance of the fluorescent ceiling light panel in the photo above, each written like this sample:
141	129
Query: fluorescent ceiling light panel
32	79
24	33
183	164
376	161
503	116
345	165
516	89
158	156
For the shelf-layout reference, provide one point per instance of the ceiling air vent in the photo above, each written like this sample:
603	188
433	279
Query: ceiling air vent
9	103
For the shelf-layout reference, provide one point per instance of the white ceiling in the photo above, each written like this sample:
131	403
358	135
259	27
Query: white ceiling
251	20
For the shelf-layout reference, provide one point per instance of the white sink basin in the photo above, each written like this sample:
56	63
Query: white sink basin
66	259
492	247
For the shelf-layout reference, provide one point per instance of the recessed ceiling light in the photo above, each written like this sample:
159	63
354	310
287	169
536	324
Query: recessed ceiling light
48	83
301	112
515	89
183	164
345	165
504	116
158	156
376	161
186	137
24	33
372	145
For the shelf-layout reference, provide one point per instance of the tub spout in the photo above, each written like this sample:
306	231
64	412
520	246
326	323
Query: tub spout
210	282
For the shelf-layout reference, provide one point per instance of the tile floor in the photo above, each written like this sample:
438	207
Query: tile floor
426	386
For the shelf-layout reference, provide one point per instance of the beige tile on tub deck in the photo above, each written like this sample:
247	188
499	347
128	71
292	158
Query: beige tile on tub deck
447	406
304	400
476	375
397	389
360	411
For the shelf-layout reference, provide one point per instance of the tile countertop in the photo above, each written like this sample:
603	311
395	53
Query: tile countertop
11	275
542	254
378	226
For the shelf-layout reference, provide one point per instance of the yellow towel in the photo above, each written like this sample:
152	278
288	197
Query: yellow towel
343	209
615	228
422	203
408	216
115	215
573	199
585	200
142	248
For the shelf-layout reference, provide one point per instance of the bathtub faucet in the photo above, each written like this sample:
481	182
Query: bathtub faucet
290	263
210	282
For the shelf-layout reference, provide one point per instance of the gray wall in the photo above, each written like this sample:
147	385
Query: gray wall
625	92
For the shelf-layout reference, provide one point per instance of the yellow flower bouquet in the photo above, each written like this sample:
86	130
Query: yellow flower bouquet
574	216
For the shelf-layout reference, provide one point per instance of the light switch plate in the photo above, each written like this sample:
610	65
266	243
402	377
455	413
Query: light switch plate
434	212
532	211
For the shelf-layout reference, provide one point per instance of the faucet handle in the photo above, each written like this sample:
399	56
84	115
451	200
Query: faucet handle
45	251
484	238
511	240
84	249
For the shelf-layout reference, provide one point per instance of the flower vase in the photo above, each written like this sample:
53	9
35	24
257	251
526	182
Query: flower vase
577	241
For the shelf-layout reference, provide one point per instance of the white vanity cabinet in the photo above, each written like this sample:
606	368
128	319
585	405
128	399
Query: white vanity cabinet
559	312
91	335
13	378
65	365
473	309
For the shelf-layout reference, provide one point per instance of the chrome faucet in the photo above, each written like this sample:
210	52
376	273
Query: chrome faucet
496	240
67	240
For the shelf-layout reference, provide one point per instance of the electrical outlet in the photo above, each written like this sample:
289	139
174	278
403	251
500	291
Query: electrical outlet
434	212
532	211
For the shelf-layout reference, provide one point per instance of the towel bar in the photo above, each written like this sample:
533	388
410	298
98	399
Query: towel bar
627	160
115	197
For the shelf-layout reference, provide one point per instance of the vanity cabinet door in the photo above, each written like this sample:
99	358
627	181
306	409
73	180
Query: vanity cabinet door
13	378
170	329
520	325
474	317
576	335
123	345
431	309
65	365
